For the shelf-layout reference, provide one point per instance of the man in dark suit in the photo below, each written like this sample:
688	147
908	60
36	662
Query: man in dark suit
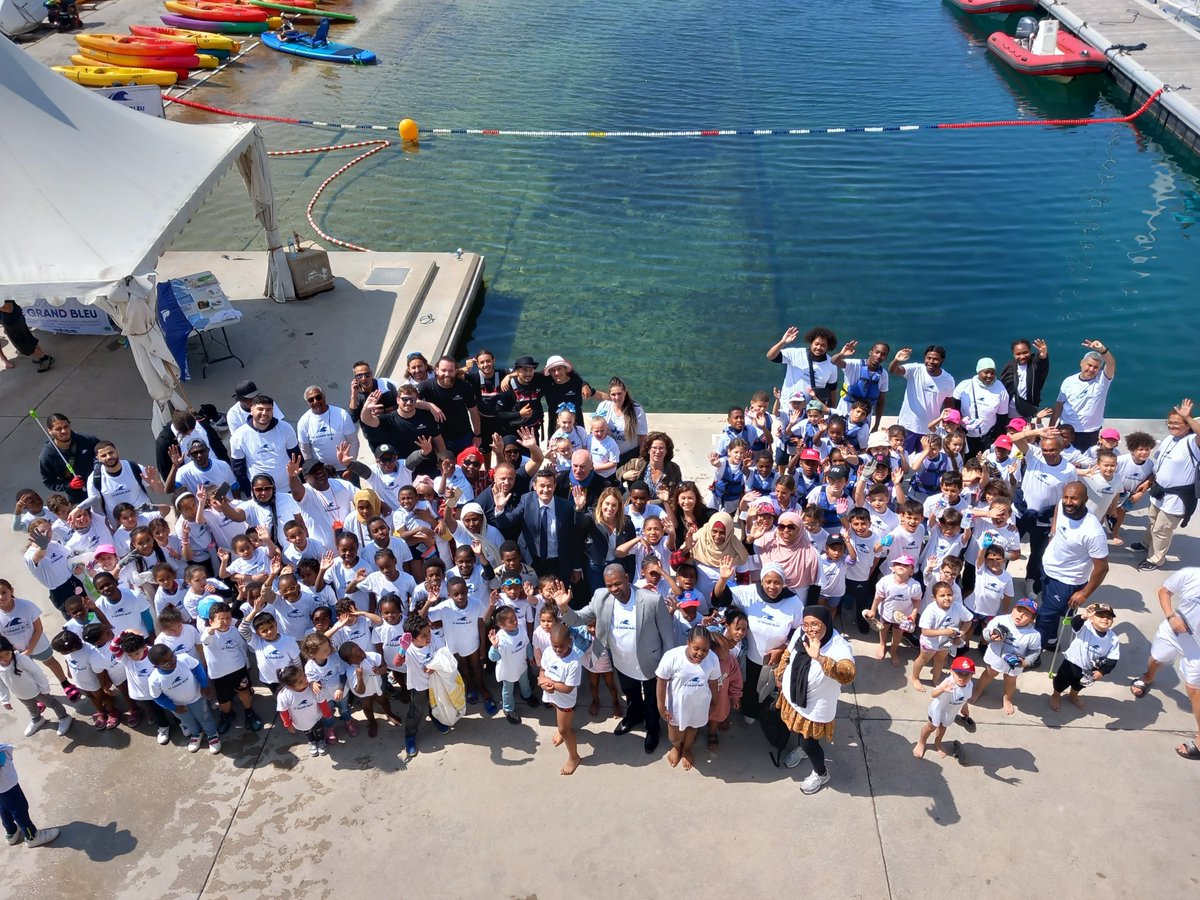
545	525
1025	374
581	474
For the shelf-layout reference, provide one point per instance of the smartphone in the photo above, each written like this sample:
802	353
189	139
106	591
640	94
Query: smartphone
222	491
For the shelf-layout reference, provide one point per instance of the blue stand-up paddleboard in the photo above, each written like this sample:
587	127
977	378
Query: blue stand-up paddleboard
316	46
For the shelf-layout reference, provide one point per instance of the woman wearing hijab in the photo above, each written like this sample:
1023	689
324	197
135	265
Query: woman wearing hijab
474	531
773	613
810	676
709	547
789	547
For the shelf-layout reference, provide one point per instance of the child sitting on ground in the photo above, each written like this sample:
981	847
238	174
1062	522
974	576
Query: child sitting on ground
1093	653
949	703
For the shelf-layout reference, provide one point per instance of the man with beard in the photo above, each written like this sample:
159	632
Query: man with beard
263	445
1075	564
927	388
459	402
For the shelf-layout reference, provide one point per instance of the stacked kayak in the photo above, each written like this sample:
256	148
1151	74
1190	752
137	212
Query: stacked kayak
301	11
219	18
139	51
218	45
316	46
115	76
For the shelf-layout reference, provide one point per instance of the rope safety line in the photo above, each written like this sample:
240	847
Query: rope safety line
375	145
692	133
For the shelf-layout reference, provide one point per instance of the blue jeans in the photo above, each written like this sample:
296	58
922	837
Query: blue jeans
1051	610
507	700
197	718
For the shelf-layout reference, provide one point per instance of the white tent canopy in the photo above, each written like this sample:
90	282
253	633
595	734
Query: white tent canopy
93	193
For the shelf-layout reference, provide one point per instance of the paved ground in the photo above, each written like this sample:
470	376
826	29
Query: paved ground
484	809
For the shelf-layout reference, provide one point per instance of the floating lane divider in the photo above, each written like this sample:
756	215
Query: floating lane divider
380	144
698	133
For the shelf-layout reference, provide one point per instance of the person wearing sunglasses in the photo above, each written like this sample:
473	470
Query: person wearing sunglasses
322	427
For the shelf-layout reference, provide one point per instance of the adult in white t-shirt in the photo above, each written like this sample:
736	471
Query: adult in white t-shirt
1171	501
239	414
1045	475
263	445
1176	641
981	400
117	481
323	427
1081	397
636	628
865	379
927	387
809	370
1075	564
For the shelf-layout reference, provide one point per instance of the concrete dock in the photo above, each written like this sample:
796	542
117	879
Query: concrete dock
484	810
1170	59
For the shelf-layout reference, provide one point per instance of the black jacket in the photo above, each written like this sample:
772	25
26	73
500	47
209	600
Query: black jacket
1026	406
166	438
82	456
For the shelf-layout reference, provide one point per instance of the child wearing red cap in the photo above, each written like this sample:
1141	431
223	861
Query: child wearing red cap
949	703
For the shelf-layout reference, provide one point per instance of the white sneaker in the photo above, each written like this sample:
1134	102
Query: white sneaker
15	838
64	724
793	758
164	736
34	725
313	752
814	783
214	745
749	720
194	744
44	836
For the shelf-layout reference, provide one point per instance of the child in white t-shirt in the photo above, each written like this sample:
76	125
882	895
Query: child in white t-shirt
510	651
838	556
1013	645
364	676
687	692
893	611
559	681
416	660
943	624
391	643
993	592
597	662
78	657
949	703
604	450
303	709
461	617
325	667
249	564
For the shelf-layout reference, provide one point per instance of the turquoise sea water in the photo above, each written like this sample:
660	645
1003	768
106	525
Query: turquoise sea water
676	263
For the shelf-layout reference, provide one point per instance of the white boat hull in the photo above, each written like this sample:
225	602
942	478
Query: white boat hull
20	16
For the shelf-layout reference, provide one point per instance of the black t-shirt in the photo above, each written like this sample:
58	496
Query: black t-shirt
400	432
571	391
454	401
488	388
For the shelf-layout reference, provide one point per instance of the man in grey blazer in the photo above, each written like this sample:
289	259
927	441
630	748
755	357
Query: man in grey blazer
636	628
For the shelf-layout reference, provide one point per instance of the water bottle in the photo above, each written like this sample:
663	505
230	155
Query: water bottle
291	250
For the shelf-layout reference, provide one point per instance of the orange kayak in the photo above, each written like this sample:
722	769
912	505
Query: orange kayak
202	41
138	45
217	12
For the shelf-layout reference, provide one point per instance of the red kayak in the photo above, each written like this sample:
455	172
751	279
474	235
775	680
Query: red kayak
997	7
1073	56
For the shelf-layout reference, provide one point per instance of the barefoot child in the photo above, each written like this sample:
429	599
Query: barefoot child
942	625
597	662
729	681
1092	655
1013	644
559	681
948	703
687	692
364	673
892	610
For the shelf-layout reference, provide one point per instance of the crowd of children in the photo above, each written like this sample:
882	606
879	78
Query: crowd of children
354	587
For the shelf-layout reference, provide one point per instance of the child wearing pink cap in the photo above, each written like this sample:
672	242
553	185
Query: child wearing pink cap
894	606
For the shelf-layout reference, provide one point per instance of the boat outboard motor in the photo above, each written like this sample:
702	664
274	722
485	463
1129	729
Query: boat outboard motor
1027	27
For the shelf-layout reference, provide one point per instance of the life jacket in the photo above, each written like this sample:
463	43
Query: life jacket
730	486
829	509
866	387
929	479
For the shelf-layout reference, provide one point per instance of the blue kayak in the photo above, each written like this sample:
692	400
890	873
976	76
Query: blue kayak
316	46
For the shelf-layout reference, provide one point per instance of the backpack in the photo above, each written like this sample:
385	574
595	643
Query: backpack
137	476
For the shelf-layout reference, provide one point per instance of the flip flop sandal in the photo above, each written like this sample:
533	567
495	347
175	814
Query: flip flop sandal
1188	750
1139	688
956	750
966	722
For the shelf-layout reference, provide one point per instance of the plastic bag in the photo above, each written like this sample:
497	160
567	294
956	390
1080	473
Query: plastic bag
447	695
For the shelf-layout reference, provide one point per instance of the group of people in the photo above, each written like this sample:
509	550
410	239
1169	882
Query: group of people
461	521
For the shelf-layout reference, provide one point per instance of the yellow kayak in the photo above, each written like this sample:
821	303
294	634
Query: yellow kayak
114	76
